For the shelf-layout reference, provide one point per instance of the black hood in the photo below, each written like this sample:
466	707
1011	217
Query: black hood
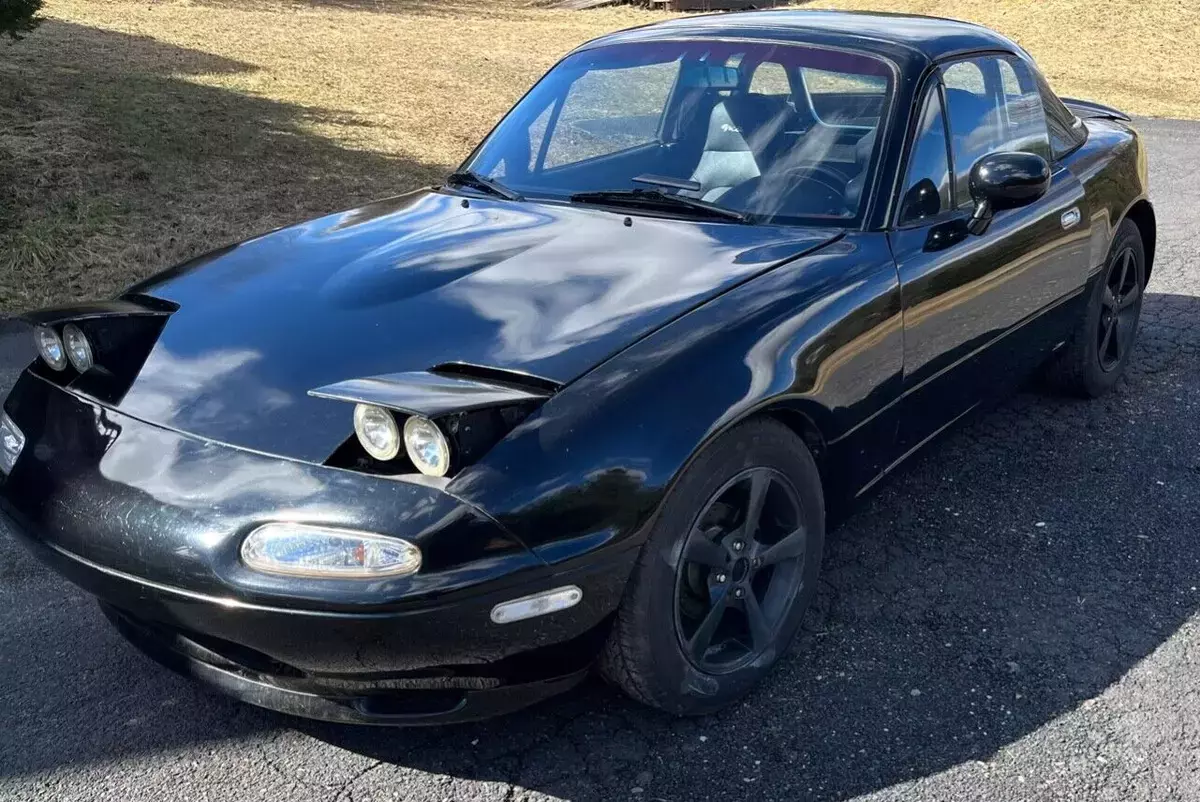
414	282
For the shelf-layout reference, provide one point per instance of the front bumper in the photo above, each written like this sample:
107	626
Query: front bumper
150	521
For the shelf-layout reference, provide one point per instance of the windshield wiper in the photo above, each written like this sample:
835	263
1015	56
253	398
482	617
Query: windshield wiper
657	199
472	179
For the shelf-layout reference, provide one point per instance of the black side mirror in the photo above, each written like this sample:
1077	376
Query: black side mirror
1005	181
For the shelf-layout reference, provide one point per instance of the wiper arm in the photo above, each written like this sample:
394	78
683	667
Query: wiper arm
656	199
470	178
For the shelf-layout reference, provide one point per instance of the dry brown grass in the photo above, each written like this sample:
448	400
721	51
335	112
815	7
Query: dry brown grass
135	134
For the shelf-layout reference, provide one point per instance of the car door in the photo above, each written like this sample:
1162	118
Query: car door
980	311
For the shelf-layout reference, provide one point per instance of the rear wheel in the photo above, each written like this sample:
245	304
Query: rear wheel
1098	353
725	576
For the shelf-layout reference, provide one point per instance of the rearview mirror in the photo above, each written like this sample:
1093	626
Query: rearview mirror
1005	181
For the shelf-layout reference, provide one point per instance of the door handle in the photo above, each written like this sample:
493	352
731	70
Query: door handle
1070	218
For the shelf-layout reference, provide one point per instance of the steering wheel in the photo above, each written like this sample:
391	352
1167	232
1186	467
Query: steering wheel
824	186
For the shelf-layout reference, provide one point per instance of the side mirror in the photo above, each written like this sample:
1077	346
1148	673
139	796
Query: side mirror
1005	181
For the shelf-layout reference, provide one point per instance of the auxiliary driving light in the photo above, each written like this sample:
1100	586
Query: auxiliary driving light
79	350
548	601
12	440
377	431
327	553
426	446
50	346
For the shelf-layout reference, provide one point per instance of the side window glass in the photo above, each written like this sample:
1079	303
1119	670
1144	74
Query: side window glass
600	116
1024	113
927	183
770	78
965	76
1066	132
990	111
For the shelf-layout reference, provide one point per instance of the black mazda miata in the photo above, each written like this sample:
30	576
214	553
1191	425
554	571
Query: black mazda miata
594	400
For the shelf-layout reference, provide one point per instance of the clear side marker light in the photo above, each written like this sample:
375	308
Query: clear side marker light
548	601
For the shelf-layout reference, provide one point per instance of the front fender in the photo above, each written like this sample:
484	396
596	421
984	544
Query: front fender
821	335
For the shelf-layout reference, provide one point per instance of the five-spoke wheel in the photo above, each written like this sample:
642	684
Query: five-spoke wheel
1095	357
727	571
1119	309
742	565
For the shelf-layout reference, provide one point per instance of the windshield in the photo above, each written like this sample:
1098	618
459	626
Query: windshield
780	133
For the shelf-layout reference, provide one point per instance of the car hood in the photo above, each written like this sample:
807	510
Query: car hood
414	282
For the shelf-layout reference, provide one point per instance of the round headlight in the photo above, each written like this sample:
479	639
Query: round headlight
79	350
426	446
377	431
50	347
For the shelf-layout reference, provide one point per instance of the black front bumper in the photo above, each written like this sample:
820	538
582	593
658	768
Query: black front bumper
397	701
160	553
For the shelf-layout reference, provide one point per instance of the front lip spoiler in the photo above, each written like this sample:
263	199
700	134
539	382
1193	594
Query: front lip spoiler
402	708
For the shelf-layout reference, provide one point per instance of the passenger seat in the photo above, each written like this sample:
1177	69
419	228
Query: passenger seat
744	133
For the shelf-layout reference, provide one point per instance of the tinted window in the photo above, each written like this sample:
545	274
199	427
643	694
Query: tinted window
993	104
927	184
608	110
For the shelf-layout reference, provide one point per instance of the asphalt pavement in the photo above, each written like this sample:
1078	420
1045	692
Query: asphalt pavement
1014	616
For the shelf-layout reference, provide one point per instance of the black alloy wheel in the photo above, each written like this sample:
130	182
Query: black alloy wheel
1100	348
741	566
1120	306
728	569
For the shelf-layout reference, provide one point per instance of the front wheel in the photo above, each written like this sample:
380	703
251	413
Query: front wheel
1099	351
725	576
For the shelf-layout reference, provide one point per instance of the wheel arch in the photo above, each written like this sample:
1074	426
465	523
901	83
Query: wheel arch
1141	213
804	425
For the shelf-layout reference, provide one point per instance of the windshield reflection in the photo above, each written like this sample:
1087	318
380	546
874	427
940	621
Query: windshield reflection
781	132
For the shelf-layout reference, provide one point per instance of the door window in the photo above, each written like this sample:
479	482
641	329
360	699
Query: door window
993	104
927	184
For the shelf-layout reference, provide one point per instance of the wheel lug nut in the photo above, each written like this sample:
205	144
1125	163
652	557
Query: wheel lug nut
738	545
739	593
721	577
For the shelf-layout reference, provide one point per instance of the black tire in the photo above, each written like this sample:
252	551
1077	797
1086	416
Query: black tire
1089	365
645	653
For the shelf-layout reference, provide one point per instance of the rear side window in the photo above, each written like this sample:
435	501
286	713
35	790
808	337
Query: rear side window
770	78
927	183
1067	132
993	104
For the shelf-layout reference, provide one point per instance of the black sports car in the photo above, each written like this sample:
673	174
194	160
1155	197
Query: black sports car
595	399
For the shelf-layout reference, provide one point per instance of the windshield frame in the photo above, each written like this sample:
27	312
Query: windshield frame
873	179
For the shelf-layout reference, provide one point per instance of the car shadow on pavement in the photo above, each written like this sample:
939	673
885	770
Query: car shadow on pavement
1010	574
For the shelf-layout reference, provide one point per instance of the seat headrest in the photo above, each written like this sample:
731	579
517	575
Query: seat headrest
745	122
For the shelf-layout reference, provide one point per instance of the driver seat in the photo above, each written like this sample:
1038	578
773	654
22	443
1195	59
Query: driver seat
741	131
862	157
